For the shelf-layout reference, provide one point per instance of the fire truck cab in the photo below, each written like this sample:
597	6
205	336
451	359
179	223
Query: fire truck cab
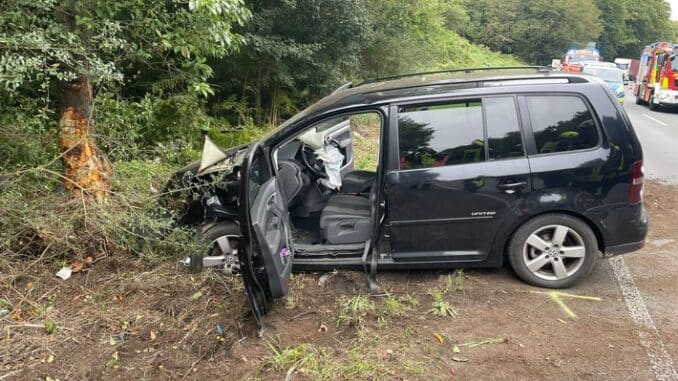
657	81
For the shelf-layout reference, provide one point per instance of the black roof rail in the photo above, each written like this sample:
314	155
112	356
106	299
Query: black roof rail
465	70
345	86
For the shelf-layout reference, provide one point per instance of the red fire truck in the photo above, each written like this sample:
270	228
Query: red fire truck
657	80
572	61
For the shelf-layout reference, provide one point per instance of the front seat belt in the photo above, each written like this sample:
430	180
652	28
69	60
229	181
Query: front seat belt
372	275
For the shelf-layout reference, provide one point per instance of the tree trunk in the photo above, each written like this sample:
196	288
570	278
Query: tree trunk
257	99
85	169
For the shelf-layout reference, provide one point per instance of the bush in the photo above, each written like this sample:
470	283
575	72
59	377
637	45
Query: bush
27	133
166	128
40	220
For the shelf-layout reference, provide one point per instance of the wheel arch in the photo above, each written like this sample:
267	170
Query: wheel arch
595	228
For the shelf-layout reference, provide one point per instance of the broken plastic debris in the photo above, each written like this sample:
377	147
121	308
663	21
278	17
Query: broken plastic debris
220	330
64	273
325	278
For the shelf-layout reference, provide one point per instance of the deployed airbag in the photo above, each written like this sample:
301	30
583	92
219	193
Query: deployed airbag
332	159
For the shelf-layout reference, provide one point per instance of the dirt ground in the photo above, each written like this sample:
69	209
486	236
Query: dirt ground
121	318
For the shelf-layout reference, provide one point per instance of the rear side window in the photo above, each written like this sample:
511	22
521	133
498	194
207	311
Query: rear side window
561	123
443	134
503	131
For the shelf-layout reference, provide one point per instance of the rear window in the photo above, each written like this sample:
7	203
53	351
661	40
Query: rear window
561	123
442	134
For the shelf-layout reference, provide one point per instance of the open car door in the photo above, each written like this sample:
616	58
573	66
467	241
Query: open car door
266	253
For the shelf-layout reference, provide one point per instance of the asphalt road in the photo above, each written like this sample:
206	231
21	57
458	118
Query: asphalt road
658	134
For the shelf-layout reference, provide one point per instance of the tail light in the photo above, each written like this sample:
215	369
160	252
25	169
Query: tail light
637	181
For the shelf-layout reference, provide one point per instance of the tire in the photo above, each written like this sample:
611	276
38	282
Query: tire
653	106
210	232
558	265
639	100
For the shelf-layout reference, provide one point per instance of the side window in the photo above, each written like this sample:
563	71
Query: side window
441	134
561	123
503	131
258	175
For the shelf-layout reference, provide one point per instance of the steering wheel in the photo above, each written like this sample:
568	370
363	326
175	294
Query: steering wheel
311	162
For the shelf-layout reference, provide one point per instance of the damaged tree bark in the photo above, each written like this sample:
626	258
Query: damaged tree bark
85	169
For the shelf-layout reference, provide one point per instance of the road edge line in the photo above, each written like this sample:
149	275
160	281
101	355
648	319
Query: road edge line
661	361
655	120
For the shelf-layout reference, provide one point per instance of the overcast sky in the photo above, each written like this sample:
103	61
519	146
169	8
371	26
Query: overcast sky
674	9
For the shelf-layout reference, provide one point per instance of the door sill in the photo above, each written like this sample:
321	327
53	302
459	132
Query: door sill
439	256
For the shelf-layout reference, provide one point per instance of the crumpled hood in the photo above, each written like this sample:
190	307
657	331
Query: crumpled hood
233	157
221	160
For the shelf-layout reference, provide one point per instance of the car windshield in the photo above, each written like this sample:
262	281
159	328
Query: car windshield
674	64
623	66
607	74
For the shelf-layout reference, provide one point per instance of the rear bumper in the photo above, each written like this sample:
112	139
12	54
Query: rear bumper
631	231
624	249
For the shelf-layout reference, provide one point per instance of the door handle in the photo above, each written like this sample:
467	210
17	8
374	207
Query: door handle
511	187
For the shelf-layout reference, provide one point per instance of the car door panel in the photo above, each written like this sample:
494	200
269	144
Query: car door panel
451	213
463	173
265	251
272	232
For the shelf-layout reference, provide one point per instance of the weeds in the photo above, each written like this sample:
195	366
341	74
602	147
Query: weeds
440	307
38	220
354	311
304	357
296	288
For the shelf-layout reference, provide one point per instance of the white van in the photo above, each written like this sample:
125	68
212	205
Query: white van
624	64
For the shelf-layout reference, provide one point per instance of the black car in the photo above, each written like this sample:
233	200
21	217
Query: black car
472	168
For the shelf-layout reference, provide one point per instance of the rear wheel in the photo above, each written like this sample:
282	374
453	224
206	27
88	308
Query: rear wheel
222	238
553	251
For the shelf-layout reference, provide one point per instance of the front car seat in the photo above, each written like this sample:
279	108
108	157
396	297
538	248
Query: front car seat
347	218
357	182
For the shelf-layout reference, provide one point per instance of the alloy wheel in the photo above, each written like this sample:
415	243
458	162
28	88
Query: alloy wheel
554	252
227	245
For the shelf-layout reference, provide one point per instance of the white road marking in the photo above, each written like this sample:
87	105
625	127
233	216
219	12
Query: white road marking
655	120
662	364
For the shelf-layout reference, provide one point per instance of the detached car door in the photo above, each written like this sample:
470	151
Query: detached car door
266	253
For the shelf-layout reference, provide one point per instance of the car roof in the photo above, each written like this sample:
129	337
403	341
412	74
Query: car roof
384	90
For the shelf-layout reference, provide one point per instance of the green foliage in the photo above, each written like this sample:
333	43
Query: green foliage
540	30
410	36
45	40
443	308
647	22
354	311
439	306
537	31
26	132
296	51
40	221
615	33
306	358
50	327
